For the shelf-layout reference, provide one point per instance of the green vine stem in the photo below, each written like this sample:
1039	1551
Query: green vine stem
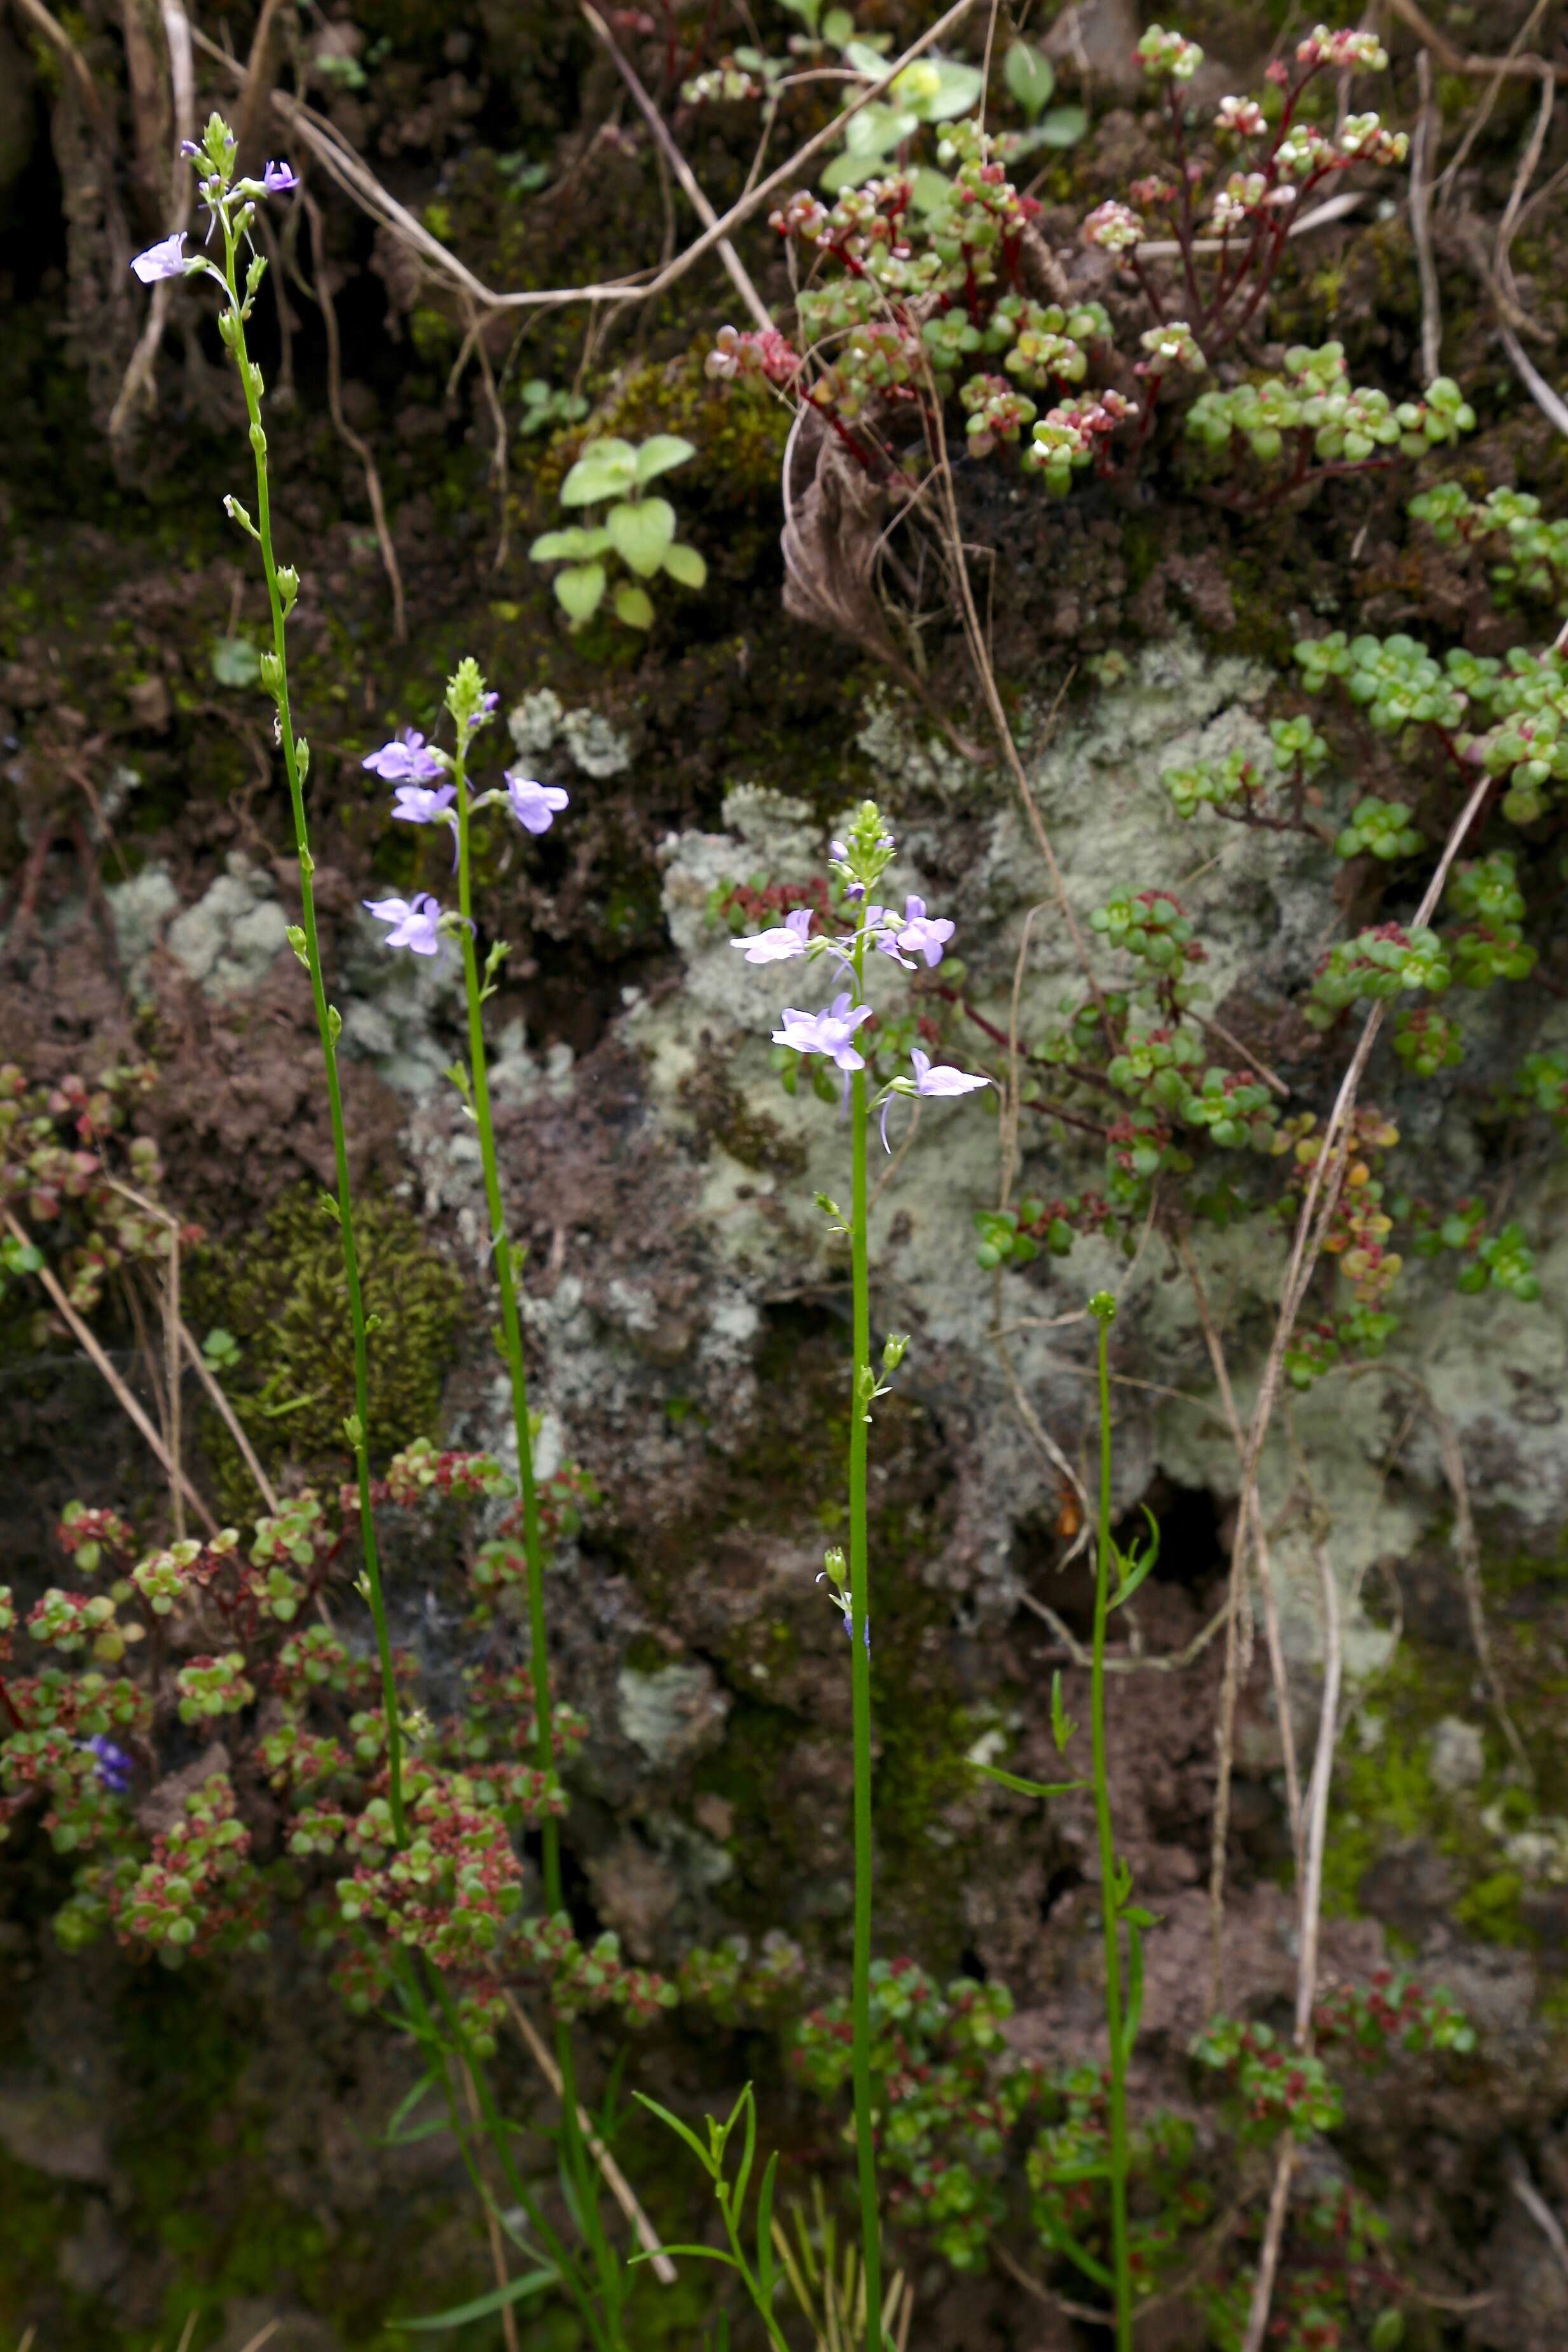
506	1259
296	758
1103	1306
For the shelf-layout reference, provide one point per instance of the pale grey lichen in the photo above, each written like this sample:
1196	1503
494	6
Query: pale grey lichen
227	941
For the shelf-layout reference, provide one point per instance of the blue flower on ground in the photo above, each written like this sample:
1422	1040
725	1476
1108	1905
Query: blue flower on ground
535	806
115	1766
788	938
165	260
413	921
831	1032
406	759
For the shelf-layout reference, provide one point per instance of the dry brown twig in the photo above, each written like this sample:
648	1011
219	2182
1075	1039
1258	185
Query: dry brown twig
1482	115
1461	61
615	2180
136	390
740	277
1466	1546
1423	155
87	1343
320	293
314	132
1311	1229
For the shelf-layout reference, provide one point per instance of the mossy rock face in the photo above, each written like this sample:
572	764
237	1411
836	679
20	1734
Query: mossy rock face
286	1303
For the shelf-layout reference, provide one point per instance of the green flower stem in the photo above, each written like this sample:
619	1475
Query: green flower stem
861	1385
327	1025
454	2039
533	1547
1108	1874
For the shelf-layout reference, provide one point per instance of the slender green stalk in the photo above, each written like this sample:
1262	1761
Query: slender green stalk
862	1383
328	1026
1107	1876
577	2157
497	2132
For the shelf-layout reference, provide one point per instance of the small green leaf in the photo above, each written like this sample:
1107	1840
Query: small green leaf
641	531
1030	1788
578	544
658	454
1387	2332
580	590
1030	77
839	26
531	2283
634	606
605	470
1062	1724
684	2131
878	128
848	171
684	563
235	661
1063	126
958	88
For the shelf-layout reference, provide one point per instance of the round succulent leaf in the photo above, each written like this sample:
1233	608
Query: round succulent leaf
640	530
580	590
604	470
634	606
658	454
684	563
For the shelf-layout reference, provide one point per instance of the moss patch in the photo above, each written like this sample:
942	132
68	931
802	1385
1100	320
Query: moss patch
286	1303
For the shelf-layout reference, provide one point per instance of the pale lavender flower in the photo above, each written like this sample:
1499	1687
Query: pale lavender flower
165	260
414	922
535	806
942	1079
881	925
831	1032
406	759
923	934
422	803
773	947
278	179
114	1765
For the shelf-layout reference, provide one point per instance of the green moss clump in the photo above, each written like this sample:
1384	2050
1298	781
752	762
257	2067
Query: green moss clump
286	1303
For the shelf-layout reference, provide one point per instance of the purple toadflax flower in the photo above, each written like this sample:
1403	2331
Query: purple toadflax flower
278	179
165	260
114	1765
406	759
831	1032
788	938
413	921
535	806
942	1079
486	711
422	803
923	934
